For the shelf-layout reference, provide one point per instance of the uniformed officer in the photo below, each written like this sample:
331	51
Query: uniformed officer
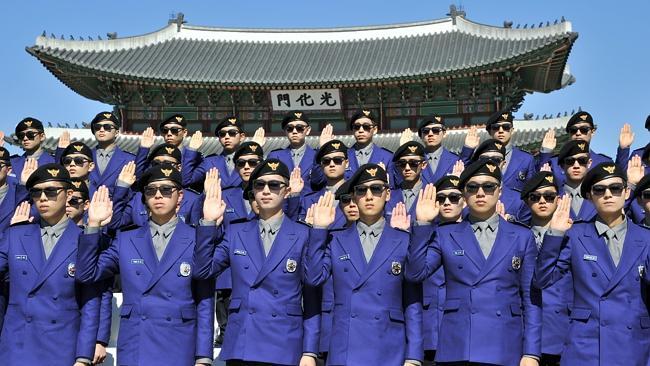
540	194
298	153
490	313
608	258
77	158
409	162
440	161
31	136
625	140
575	163
166	317
267	324
173	131
50	318
379	317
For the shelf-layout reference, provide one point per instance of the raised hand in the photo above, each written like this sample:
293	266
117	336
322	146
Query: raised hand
213	205
259	136
22	213
127	175
561	220
458	168
100	354
296	183
30	167
309	216
148	138
427	207
472	139
549	142
406	136
626	137
64	140
101	208
212	177
324	210
501	210
326	135
545	168
635	170
307	361
399	219
196	141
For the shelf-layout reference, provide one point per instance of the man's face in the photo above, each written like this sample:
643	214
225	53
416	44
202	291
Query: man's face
173	133
581	131
433	134
410	167
371	197
105	131
30	139
364	129
270	191
75	206
162	197
334	165
542	202
5	169
230	137
349	208
246	164
166	159
576	166
481	194
50	198
451	204
297	131
78	165
501	131
609	195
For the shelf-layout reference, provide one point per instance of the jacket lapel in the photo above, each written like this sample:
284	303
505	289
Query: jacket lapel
251	240
503	243
284	241
632	249
351	247
465	239
65	247
307	160
33	246
116	162
386	246
178	244
353	163
144	246
596	246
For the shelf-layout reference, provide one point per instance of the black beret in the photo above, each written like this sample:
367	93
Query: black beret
78	185
539	180
77	147
643	184
329	147
166	149
580	117
160	172
48	173
447	182
175	119
105	116
343	190
480	167
294	116
249	148
647	122
363	113
366	173
28	123
411	148
228	122
268	167
489	145
504	116
432	120
5	156
572	147
600	172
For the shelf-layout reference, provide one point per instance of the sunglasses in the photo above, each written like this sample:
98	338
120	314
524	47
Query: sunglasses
241	163
583	130
402	163
165	191
345	199
583	160
453	198
159	162
231	133
366	127
506	127
274	185
327	161
106	126
50	193
615	188
29	134
174	130
488	187
79	161
375	189
76	201
434	130
297	128
645	195
495	159
536	196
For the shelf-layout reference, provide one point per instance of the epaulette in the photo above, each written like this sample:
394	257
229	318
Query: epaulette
21	223
513	220
241	220
193	189
605	156
439	224
130	227
383	148
279	149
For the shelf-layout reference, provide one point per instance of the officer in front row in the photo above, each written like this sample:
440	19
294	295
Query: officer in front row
167	317
51	319
608	257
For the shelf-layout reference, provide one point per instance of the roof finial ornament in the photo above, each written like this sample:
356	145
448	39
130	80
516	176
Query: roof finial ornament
111	35
507	24
455	12
44	34
178	19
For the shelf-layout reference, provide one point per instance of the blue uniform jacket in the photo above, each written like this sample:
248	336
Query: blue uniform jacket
109	176
306	163
195	167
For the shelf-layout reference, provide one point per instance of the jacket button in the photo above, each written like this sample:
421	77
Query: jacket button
145	295
144	317
379	293
137	273
594	274
275	292
169	318
251	311
460	266
274	315
376	317
629	327
55	298
498	312
29	319
169	294
354	315
53	321
24	272
557	311
474	311
30	295
246	266
345	269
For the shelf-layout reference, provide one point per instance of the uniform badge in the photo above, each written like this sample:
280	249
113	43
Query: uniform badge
516	263
522	175
71	269
459	252
344	257
396	268
291	265
591	258
185	269
641	271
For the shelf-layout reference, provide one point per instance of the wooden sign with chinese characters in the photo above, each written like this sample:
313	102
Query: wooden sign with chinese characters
306	100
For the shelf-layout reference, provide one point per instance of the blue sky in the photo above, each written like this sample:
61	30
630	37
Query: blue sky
609	59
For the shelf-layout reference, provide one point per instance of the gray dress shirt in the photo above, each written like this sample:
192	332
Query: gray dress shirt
363	155
614	237
485	232
410	194
268	231
297	154
433	159
538	233
162	234
230	163
103	157
3	191
370	236
508	156
576	198
50	234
